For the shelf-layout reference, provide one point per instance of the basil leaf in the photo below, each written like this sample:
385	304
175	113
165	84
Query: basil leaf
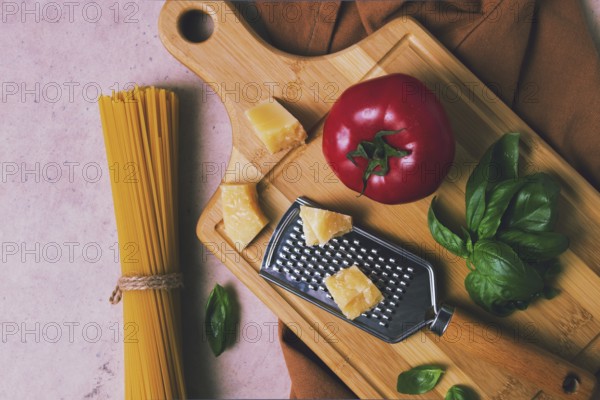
496	206
534	206
548	269
459	392
445	236
419	380
501	282
468	239
476	209
499	163
505	159
535	246
218	319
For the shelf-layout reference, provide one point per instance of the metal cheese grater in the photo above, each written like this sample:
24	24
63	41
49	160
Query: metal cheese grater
406	281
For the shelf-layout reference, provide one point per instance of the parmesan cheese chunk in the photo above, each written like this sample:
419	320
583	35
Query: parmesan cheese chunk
275	126
353	292
242	215
320	226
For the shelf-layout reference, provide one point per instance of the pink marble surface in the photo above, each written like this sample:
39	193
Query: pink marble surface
59	337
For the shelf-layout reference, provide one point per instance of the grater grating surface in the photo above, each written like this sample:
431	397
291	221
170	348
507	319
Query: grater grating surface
406	281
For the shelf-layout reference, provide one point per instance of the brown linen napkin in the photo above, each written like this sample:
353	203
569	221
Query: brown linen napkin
538	56
311	378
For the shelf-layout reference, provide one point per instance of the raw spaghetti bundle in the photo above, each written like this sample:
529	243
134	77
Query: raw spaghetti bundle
140	134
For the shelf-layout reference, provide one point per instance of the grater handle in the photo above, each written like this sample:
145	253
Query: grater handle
551	374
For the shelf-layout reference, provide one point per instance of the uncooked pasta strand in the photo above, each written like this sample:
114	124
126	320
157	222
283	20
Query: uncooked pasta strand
140	134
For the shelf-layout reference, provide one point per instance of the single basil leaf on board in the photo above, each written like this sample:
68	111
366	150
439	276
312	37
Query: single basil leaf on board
459	392
535	246
501	282
534	206
419	379
445	236
497	204
499	163
218	319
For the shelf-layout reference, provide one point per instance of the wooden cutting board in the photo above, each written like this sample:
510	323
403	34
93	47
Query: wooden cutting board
244	70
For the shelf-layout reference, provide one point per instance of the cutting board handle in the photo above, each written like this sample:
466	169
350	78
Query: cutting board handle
243	70
212	39
517	357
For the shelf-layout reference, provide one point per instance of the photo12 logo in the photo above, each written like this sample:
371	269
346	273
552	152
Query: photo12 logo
253	92
49	172
254	332
52	172
67	252
68	11
57	92
67	331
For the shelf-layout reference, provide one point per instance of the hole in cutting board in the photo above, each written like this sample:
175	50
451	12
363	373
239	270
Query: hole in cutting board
196	26
570	384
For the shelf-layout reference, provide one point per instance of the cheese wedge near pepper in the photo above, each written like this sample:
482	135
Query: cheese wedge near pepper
320	226
353	291
242	215
275	126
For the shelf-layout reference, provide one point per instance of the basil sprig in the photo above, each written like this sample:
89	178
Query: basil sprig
508	243
419	379
218	320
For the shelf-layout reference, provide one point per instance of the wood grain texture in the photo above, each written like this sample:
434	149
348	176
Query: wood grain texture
542	369
244	70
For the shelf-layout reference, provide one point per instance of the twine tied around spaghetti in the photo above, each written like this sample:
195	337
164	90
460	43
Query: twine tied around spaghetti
147	282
